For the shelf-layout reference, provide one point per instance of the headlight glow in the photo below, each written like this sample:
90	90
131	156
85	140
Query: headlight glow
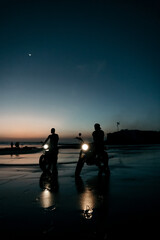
45	146
85	147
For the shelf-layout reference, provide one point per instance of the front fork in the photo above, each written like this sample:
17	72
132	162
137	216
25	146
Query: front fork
80	164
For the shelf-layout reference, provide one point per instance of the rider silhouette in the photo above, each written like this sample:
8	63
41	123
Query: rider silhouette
98	139
53	139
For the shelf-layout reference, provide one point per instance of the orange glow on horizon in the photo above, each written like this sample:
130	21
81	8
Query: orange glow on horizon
35	128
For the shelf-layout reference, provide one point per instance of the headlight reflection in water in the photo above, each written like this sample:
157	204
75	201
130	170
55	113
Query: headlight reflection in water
87	203
46	199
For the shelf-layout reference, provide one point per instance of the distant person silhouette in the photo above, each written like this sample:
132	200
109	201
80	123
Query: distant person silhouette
17	144
11	144
80	138
53	139
98	139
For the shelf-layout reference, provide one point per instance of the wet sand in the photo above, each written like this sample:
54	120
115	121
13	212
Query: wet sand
124	205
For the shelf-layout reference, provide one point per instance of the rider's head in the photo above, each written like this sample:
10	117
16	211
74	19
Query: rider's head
97	126
52	130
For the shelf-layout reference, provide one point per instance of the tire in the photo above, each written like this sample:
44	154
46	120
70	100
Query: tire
79	166
43	163
103	166
106	169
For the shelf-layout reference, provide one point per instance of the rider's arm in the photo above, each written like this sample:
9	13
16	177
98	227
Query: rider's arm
46	140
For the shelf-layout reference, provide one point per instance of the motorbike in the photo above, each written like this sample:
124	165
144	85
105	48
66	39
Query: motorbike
89	156
48	160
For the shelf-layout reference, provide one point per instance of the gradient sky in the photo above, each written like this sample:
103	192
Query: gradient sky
91	61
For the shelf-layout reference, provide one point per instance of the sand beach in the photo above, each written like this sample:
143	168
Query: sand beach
124	205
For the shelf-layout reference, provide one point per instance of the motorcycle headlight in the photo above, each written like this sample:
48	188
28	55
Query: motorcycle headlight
85	147
46	146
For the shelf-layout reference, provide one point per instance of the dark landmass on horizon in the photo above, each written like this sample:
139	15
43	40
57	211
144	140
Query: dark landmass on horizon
126	136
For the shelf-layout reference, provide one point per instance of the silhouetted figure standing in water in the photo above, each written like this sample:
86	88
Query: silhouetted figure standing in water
53	139
17	144
98	144
11	144
80	138
98	139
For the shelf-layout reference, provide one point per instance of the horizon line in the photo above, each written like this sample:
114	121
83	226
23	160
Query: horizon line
41	139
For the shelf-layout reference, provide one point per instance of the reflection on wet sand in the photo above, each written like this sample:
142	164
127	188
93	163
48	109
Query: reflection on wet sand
126	206
87	200
90	221
94	204
49	184
46	199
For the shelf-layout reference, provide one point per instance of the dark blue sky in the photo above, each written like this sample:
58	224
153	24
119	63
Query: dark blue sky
91	61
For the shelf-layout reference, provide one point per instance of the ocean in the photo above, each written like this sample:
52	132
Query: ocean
120	156
21	144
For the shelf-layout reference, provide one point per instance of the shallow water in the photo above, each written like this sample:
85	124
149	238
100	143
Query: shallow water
64	156
119	155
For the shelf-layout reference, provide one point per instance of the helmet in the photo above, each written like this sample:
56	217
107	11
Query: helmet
97	126
52	130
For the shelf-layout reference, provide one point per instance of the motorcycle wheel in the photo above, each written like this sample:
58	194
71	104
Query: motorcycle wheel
43	163
105	168
79	166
